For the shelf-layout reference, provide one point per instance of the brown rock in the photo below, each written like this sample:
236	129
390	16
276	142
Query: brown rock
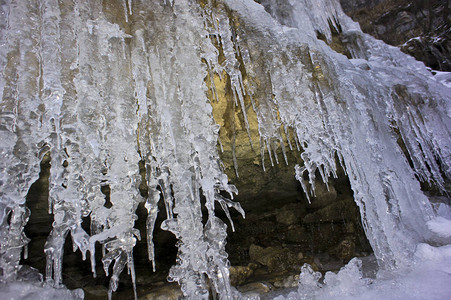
255	288
345	250
335	212
290	214
95	291
275	258
296	234
288	282
166	292
239	274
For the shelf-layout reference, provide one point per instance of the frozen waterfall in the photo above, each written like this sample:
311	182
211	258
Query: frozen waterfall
103	85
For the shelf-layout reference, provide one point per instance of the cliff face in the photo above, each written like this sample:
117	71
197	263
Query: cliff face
420	28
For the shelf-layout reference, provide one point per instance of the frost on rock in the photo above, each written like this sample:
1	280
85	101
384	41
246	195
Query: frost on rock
101	92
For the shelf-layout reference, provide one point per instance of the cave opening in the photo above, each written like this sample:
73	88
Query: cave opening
280	233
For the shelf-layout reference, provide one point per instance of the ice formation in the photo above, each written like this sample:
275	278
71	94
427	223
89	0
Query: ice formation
102	86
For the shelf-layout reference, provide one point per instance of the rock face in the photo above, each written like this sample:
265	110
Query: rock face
420	28
352	5
329	225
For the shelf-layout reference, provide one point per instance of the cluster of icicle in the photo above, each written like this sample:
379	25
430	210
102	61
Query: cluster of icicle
102	92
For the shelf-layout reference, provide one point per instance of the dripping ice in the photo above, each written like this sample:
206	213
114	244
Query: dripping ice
99	97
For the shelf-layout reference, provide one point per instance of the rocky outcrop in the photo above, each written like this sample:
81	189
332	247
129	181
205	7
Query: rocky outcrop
352	5
421	28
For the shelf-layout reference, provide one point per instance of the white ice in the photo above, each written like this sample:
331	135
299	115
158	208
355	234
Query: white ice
429	278
102	93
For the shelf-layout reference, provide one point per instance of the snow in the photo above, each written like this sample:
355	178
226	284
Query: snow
100	96
428	278
22	290
440	226
443	77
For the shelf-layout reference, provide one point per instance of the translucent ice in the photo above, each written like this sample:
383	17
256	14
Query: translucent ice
101	91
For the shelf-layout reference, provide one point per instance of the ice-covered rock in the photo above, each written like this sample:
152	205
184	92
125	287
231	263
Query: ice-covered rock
102	91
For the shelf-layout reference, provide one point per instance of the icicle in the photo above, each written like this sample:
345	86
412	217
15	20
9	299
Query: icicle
21	130
220	145
296	140
131	271
212	85
299	174
235	162
25	251
124	5
130	7
165	186
225	203
274	149
152	209
93	260
282	144
262	152
231	64
120	261
268	147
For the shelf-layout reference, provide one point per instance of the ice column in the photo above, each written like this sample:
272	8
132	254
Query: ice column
21	128
178	140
